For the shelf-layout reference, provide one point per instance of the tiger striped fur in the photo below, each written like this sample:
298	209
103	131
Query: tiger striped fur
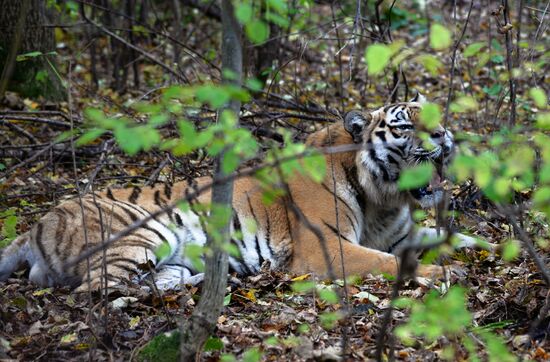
374	216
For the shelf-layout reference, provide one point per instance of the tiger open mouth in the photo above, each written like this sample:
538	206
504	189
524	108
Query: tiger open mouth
436	182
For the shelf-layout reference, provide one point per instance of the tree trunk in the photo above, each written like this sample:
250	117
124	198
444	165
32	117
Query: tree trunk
23	31
203	321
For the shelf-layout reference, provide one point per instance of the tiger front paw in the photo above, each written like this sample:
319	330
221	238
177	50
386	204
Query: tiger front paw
451	272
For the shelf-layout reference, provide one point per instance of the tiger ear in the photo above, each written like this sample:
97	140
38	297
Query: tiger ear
354	123
419	98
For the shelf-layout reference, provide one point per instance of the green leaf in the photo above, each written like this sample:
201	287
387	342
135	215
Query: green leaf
464	104
496	349
329	319
539	97
252	355
243	13
510	250
543	121
134	139
213	344
440	37
227	299
278	5
277	19
257	31
254	84
41	76
214	95
430	115
195	252
473	49
377	57
315	167
9	229
497	58
303	286
329	296
23	57
159	119
69	338
90	136
94	114
227	358
431	63
494	90
415	177
230	162
163	251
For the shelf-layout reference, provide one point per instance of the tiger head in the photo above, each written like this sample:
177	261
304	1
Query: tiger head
390	142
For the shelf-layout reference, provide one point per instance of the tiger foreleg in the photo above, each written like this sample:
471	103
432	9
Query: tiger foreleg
356	260
427	236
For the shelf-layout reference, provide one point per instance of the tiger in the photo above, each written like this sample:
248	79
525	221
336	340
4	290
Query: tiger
362	214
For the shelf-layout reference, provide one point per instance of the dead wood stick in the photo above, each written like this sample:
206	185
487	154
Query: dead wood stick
19	130
50	122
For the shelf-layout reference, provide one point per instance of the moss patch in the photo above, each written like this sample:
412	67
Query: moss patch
164	347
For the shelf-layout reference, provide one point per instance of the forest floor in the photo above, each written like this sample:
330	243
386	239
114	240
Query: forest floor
263	311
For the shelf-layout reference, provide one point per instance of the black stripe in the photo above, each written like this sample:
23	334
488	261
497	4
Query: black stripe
351	178
158	200
268	233
110	194
179	221
381	135
135	194
335	231
167	190
396	150
114	261
260	257
390	250
380	164
39	242
68	212
395	135
236	221
243	268
391	159
342	200
59	230
237	227
134	218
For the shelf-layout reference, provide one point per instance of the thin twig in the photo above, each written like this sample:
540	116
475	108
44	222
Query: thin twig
19	130
50	122
453	64
339	55
345	298
509	62
79	195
